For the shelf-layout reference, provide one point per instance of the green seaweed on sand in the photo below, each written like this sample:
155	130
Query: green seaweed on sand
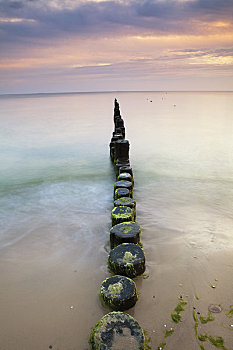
168	333
203	337
230	312
196	321
176	316
218	342
161	345
207	319
147	341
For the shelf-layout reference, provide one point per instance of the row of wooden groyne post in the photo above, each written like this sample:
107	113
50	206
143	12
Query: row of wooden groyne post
126	260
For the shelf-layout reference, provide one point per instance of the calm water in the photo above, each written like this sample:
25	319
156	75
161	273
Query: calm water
55	163
56	195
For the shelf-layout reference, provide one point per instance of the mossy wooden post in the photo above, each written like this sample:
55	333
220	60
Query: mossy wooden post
124	184
125	177
125	201
119	122
114	138
120	164
119	130
117	112
125	232
117	330
121	150
127	259
128	202
121	192
122	131
126	169
119	293
121	214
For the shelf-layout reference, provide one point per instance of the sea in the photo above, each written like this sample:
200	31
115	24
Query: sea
56	190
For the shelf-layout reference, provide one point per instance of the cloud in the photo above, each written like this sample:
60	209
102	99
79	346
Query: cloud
172	9
190	62
57	18
223	54
114	39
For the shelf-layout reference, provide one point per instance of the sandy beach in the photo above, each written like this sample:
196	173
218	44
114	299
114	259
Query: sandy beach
52	302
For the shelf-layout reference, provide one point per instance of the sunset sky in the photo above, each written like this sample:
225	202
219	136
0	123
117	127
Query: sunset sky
77	45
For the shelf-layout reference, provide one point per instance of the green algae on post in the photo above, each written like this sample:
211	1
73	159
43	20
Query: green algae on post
127	259
121	192
124	176
125	201
125	232
124	184
119	293
126	169
121	214
117	328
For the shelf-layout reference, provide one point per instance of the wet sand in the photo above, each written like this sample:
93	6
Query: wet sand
49	290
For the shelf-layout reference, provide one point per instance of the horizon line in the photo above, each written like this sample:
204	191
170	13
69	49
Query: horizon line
103	91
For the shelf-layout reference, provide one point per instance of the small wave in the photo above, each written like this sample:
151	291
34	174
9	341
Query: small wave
65	203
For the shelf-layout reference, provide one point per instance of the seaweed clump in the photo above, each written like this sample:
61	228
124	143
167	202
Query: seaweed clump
175	315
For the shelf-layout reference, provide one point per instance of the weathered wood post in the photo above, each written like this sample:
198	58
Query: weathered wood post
126	259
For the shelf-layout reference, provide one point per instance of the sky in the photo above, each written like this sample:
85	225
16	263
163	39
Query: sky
115	45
